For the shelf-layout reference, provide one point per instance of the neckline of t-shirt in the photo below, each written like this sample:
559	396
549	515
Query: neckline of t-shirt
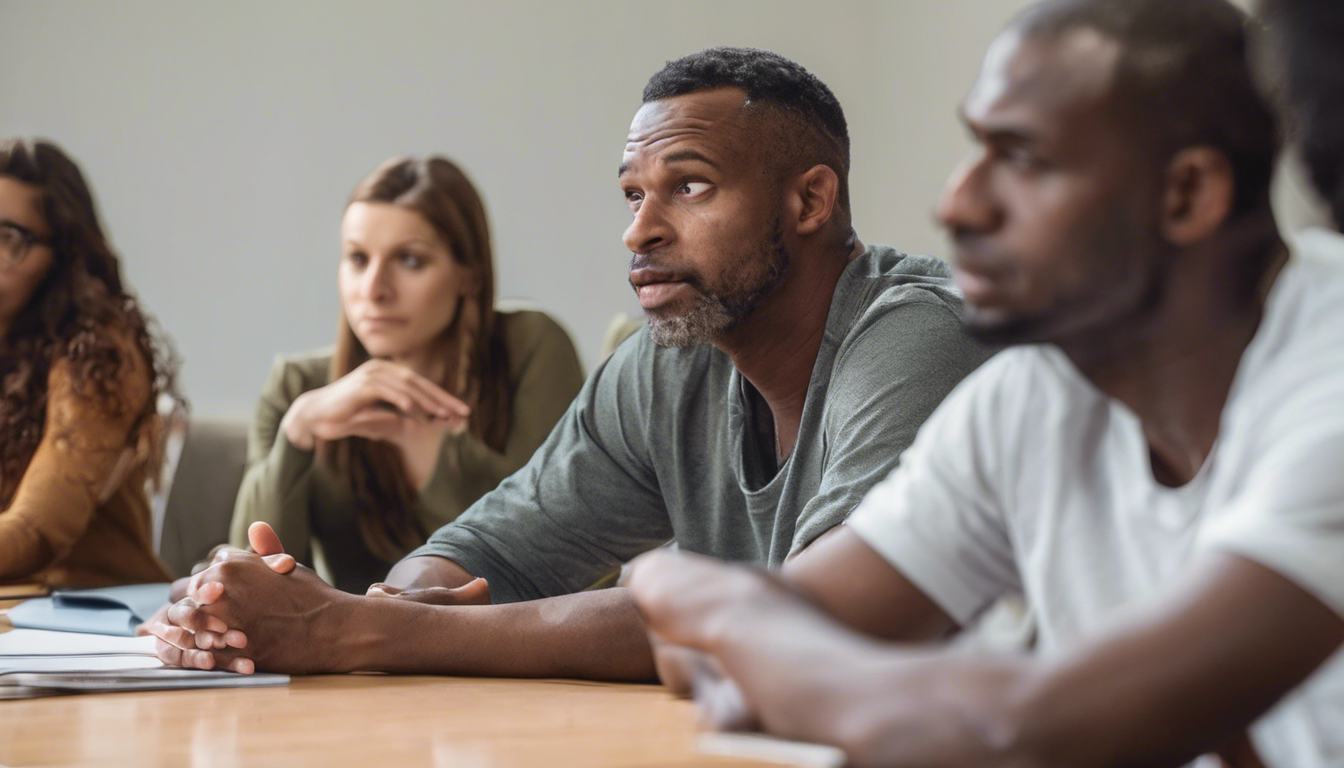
1138	444
746	439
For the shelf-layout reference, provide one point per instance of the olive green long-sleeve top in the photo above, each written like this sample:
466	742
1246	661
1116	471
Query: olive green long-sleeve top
313	508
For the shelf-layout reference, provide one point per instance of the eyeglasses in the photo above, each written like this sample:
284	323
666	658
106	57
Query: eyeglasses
15	242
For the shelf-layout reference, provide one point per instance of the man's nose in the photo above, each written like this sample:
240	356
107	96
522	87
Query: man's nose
650	229
966	203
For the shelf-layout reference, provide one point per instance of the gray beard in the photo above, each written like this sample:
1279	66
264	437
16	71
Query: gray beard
707	318
713	314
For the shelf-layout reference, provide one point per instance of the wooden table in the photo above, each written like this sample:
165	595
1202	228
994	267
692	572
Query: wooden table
365	720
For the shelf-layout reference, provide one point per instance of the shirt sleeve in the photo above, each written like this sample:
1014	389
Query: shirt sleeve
587	501
1289	515
277	483
907	353
85	443
939	518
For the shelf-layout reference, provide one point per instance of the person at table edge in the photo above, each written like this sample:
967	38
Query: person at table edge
785	368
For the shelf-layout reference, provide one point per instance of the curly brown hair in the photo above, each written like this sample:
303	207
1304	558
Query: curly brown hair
80	314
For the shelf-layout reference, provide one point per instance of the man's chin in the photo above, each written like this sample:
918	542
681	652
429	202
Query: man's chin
674	331
1001	330
699	325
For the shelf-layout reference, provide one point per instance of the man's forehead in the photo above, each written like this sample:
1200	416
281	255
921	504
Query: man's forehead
1044	74
714	115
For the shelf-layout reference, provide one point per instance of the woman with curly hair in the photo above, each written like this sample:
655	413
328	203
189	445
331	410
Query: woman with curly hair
431	396
80	378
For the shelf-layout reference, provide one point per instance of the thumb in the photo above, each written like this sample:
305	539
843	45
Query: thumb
263	539
281	563
474	592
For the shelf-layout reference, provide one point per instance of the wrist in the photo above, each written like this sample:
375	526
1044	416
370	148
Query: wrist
354	634
295	427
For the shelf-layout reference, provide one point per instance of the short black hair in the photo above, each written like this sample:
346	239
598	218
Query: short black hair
1308	41
1183	78
772	82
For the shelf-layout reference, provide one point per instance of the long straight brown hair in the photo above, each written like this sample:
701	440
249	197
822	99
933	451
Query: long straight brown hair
439	191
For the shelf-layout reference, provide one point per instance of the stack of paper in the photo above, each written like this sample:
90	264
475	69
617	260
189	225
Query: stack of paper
35	662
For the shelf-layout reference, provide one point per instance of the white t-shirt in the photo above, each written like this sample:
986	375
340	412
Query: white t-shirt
1028	479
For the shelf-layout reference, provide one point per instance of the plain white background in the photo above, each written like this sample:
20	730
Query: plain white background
221	139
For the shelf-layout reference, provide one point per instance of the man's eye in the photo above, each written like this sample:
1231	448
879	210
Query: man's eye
633	199
1024	159
693	188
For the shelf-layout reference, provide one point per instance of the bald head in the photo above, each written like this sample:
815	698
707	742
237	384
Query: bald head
1181	79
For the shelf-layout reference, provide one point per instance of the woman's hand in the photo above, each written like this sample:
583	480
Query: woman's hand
377	400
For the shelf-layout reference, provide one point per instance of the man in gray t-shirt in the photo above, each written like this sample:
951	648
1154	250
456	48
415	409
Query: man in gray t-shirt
784	368
667	444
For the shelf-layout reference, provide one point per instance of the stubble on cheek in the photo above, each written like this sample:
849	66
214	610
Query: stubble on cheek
750	277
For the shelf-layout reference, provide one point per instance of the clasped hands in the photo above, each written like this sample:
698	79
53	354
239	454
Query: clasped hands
379	400
262	610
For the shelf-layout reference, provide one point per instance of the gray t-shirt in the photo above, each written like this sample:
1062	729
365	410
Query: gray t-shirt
668	444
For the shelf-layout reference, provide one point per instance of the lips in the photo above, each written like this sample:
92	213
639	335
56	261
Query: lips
650	276
979	282
656	287
382	322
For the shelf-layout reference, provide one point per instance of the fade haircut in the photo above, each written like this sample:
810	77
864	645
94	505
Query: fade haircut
807	127
1183	79
1306	39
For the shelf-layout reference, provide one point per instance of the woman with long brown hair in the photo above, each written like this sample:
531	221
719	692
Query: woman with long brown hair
80	378
430	398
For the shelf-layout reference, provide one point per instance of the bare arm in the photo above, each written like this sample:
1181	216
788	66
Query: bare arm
1189	675
426	572
591	635
296	623
838	574
846	578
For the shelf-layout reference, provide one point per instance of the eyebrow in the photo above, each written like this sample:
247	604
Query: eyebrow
676	157
400	244
1008	132
27	230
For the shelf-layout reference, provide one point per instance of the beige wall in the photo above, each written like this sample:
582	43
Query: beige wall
222	138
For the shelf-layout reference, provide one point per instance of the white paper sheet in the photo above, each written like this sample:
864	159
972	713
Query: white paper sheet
41	642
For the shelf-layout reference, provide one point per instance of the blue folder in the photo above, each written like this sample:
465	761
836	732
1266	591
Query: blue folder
107	611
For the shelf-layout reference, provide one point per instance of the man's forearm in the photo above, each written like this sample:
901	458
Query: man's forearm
594	635
1187	677
427	571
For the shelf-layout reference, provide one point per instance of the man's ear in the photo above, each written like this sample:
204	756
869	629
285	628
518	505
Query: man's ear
813	199
1199	190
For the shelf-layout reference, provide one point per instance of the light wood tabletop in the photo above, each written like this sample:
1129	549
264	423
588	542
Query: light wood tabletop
365	720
